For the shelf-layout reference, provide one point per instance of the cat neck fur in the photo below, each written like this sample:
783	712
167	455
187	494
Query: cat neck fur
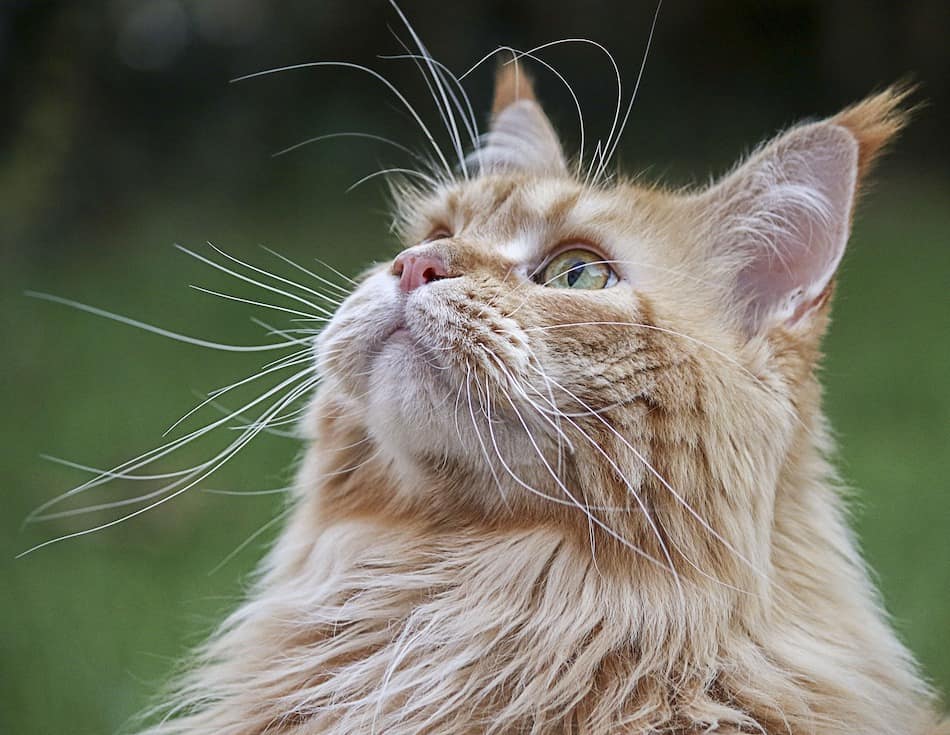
364	622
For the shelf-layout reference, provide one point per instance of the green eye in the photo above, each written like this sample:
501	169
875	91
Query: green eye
579	269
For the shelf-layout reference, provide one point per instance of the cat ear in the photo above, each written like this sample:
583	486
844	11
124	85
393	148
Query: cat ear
521	138
783	217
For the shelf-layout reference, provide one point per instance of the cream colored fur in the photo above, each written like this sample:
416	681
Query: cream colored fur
531	510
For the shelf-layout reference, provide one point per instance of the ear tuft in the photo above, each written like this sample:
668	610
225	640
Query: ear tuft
521	138
875	122
512	84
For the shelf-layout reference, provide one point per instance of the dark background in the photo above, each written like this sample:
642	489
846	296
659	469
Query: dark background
120	134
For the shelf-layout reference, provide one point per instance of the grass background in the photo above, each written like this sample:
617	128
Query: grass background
107	166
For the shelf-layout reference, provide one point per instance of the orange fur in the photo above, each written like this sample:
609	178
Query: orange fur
535	510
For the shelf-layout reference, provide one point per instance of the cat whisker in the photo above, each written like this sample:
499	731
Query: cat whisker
333	270
306	352
343	292
114	475
344	134
531	52
651	521
788	410
614	138
169	492
516	55
583	507
217	462
393	170
261	304
282	365
288	333
249	493
535	491
330	300
468	113
441	100
523	393
291	418
649	516
246	279
376	75
79	306
184	474
250	539
152	455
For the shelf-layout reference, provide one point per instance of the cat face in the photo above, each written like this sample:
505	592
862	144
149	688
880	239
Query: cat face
620	360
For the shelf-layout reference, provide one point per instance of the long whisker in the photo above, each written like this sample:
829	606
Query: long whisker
445	109
516	55
345	134
261	304
281	279
167	448
213	395
270	491
246	279
342	291
393	170
250	539
600	47
610	460
467	113
153	329
336	272
689	338
221	459
611	146
517	478
376	75
105	475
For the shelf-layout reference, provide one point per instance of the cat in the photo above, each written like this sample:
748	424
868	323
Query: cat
569	469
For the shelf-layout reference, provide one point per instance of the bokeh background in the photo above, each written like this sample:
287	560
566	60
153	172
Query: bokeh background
121	135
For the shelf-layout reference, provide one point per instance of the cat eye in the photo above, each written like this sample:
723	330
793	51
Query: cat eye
438	233
578	269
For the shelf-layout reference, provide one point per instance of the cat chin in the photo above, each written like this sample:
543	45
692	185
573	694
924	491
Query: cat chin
407	390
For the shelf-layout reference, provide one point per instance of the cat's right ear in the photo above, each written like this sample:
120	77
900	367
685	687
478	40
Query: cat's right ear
521	138
780	221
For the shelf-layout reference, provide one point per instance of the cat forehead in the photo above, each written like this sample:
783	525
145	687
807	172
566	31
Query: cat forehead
509	204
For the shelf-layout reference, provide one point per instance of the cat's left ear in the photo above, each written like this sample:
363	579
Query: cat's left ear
783	217
521	138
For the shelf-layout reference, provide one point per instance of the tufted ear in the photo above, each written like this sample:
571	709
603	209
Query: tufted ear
521	138
783	217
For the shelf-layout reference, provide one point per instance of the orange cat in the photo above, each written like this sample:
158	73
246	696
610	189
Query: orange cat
570	470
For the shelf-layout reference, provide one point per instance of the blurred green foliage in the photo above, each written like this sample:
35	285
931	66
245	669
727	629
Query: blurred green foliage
107	163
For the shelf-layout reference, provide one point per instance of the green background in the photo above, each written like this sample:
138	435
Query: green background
117	145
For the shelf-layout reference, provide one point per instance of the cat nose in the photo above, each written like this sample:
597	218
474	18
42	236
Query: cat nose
417	269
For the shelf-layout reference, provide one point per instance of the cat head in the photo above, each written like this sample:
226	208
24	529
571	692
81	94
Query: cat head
626	363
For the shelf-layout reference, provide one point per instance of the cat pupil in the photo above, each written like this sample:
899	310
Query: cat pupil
575	272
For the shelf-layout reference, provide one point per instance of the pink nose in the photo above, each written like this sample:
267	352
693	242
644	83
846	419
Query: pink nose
418	269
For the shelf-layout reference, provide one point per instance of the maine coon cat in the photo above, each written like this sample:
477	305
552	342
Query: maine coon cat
569	470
